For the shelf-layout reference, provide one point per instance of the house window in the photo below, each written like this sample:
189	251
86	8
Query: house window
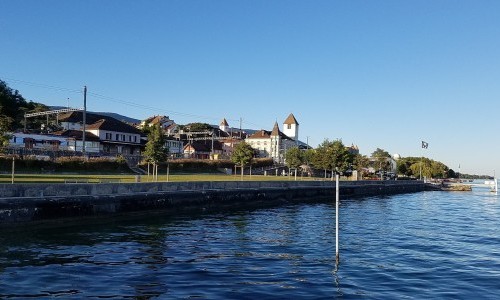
289	126
117	136
130	138
135	139
123	137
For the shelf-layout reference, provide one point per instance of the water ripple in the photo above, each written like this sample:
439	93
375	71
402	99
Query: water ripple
425	245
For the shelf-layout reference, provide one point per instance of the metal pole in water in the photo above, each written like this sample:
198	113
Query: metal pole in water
496	185
337	194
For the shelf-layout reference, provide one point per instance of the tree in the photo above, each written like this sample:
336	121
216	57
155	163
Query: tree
4	137
13	106
242	155
382	159
332	156
198	127
294	157
308	156
156	151
361	163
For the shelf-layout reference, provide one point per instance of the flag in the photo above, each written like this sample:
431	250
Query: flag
425	145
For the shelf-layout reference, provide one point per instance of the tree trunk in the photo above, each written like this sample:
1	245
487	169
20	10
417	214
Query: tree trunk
242	167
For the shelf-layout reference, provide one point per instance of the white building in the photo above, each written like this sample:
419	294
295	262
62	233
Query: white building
275	143
175	147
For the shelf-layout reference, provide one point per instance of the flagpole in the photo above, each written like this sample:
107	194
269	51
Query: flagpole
421	160
424	146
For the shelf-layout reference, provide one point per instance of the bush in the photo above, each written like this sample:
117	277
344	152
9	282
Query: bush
205	165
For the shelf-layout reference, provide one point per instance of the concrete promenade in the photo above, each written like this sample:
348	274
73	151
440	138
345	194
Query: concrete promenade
34	203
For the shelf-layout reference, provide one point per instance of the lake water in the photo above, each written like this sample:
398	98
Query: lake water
424	245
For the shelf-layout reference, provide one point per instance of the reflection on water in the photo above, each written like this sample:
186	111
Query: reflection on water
432	244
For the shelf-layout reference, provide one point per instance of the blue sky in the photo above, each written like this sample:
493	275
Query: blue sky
379	74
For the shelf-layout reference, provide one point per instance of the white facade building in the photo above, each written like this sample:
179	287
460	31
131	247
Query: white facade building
275	143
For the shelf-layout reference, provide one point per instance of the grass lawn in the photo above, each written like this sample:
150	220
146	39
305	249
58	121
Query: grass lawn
96	178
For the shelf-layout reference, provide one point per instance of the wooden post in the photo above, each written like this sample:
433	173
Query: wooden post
168	170
13	169
148	170
337	196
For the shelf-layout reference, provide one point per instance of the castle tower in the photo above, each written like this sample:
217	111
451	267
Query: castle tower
291	127
223	125
275	142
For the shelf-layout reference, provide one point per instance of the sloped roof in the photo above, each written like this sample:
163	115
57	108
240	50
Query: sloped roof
111	124
77	135
224	122
261	134
276	130
101	122
291	120
77	116
265	134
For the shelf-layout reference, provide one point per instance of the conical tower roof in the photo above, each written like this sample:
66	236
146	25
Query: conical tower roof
291	120
276	130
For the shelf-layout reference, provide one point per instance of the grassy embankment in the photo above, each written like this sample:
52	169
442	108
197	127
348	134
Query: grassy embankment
102	178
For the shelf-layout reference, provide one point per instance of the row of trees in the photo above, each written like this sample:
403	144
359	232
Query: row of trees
334	157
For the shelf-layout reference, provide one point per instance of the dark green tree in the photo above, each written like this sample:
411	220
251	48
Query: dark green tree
13	107
294	157
332	156
242	155
198	127
381	159
361	163
156	151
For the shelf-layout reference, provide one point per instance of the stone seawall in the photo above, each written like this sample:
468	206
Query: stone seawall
32	203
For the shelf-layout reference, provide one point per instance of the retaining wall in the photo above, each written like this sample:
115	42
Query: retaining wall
28	203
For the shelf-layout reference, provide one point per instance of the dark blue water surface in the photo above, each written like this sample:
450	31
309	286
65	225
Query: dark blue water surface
424	245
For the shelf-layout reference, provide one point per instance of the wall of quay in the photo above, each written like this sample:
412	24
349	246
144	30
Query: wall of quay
34	203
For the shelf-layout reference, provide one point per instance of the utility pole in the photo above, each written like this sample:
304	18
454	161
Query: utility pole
84	118
241	120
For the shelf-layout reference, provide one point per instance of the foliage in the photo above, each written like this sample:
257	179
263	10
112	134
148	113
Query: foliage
156	151
208	166
410	166
381	159
243	154
294	157
64	164
308	156
197	127
361	163
332	156
13	107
